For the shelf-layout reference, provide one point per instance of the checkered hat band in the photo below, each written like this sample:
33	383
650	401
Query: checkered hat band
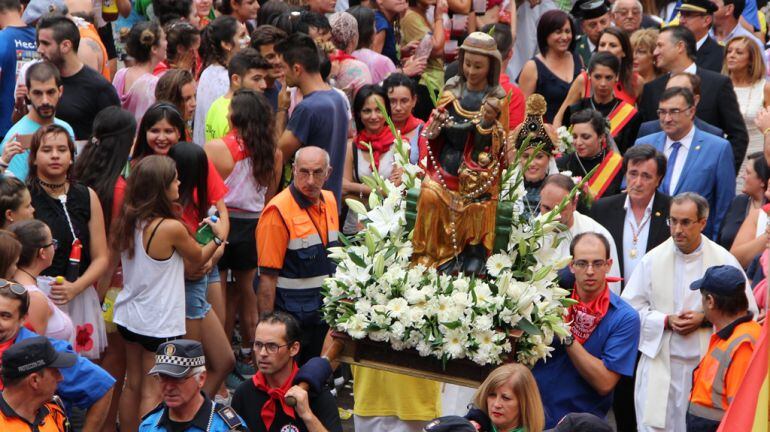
180	361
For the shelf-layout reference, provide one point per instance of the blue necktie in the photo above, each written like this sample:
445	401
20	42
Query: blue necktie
670	167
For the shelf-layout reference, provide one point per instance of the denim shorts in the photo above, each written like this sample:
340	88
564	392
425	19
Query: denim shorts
196	305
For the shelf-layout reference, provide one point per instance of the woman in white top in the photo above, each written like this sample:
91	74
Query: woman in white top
374	134
37	251
249	161
221	39
745	66
150	309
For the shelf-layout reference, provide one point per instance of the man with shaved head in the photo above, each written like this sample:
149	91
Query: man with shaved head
293	236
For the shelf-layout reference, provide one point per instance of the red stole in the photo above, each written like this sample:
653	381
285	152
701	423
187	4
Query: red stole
380	142
586	317
276	395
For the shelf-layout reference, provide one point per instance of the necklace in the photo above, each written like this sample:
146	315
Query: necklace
585	171
28	273
52	186
635	234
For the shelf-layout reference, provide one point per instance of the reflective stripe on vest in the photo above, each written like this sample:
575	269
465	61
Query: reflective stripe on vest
719	359
306	262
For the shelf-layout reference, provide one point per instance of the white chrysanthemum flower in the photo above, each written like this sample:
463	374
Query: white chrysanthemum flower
355	326
397	307
454	343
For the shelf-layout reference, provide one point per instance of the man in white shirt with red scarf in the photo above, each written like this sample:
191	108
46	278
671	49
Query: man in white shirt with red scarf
584	369
674	332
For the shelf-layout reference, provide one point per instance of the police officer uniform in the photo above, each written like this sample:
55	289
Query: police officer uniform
177	359
21	359
585	10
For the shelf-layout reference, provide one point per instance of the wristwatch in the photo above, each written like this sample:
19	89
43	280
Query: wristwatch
217	241
568	341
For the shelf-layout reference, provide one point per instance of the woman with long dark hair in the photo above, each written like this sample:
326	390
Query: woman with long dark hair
244	11
161	128
196	197
183	42
249	161
153	242
101	166
220	40
74	214
177	86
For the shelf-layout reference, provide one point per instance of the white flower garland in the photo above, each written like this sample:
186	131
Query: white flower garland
377	293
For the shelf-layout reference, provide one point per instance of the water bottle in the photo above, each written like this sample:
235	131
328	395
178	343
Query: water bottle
205	234
72	272
108	305
425	47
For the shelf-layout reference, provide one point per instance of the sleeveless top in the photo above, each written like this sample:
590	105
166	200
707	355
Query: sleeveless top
51	211
553	88
152	300
59	323
362	168
244	193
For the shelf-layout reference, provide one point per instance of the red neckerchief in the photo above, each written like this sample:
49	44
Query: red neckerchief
411	123
340	55
585	317
274	394
380	143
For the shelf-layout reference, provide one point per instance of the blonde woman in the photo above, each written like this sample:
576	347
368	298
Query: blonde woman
744	65
510	398
643	44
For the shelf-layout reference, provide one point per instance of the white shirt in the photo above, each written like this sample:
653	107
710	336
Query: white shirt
681	157
692	69
629	227
701	42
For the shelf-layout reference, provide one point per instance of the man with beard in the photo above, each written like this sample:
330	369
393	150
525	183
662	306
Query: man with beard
44	86
87	92
17	47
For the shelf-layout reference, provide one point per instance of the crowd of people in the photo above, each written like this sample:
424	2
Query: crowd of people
174	173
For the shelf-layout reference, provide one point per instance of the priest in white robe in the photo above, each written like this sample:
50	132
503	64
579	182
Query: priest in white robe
555	188
674	333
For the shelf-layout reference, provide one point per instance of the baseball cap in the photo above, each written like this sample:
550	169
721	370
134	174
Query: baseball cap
178	357
32	355
721	279
37	8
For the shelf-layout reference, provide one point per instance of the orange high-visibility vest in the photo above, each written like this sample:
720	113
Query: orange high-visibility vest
711	394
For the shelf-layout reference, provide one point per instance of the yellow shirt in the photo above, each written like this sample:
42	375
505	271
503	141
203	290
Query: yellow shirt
379	393
217	119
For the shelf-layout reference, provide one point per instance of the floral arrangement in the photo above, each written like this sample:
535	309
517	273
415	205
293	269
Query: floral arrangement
378	294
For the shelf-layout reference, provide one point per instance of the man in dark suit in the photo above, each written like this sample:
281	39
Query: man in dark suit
697	16
675	52
637	222
689	81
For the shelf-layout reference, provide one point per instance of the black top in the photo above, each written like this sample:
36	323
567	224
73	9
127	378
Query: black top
627	135
85	94
710	55
733	220
248	402
50	211
553	88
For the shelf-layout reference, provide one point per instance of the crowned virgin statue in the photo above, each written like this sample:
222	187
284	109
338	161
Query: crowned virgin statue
464	157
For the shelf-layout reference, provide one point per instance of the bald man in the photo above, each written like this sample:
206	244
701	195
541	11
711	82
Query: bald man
294	232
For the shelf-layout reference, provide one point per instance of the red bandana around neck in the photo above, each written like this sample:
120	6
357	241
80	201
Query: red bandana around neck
411	123
585	317
340	55
274	394
380	142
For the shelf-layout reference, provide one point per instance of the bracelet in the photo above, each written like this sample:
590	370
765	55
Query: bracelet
217	241
766	131
3	164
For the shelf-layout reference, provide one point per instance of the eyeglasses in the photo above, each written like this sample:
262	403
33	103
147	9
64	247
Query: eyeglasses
583	264
271	347
317	174
684	223
672	112
13	287
54	243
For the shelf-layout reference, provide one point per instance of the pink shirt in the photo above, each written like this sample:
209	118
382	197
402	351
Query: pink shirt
139	97
379	65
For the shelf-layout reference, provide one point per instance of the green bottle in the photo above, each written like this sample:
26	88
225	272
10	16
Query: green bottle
205	234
